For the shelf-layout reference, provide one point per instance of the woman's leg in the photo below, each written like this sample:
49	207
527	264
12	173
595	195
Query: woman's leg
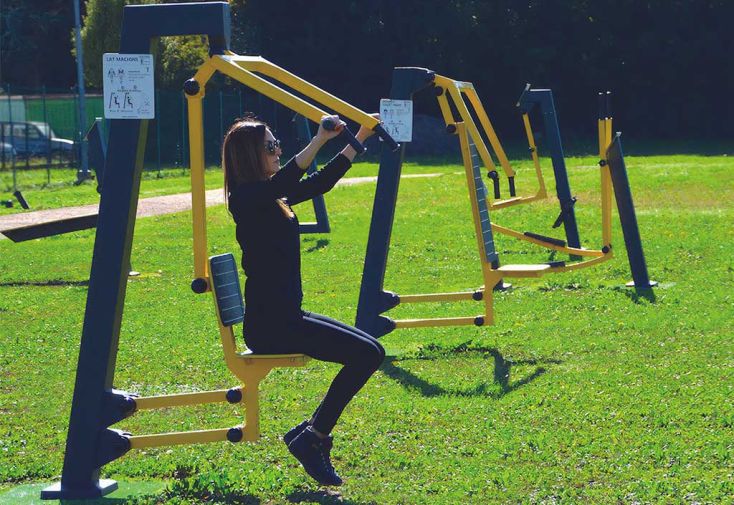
361	354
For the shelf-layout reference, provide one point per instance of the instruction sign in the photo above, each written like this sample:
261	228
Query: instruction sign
397	117
129	89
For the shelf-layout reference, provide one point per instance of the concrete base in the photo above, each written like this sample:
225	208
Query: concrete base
57	492
631	284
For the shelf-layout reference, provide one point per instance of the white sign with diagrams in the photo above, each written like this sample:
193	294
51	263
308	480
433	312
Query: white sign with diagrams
129	88
397	118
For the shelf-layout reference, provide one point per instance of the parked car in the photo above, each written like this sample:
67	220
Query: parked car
32	138
7	151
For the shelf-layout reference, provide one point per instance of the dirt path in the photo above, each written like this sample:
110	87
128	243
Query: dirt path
154	206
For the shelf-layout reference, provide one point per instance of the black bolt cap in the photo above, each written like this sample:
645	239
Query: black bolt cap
199	285
191	87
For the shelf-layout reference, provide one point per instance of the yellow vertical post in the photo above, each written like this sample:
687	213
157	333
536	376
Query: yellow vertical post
542	193
489	284
252	410
198	191
605	139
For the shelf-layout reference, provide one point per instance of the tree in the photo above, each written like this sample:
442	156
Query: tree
29	52
178	57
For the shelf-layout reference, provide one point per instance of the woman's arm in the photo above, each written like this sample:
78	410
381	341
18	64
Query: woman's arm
322	181
362	135
305	157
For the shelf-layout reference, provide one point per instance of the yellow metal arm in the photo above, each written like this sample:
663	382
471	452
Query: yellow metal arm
265	67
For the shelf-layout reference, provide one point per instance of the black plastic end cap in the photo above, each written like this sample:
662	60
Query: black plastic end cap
191	87
606	249
451	128
492	174
438	90
199	285
479	321
477	296
128	405
602	163
234	395
234	435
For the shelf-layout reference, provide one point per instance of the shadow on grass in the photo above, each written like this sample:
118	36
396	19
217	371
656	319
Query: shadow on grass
325	497
320	244
97	501
501	376
49	283
637	295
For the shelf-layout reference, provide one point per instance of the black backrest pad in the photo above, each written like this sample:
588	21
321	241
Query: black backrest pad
481	197
226	286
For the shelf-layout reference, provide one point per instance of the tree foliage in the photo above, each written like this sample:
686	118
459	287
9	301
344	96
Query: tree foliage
29	52
664	60
178	57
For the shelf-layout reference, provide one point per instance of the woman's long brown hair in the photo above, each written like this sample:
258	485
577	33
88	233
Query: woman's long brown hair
243	153
243	156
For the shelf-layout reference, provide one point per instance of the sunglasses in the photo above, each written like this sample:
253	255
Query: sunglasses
272	145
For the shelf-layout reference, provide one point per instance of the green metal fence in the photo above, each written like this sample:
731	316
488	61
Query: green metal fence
167	144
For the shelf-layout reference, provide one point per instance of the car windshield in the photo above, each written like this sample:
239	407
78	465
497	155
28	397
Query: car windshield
45	130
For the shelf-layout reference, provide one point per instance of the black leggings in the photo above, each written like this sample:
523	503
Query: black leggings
330	340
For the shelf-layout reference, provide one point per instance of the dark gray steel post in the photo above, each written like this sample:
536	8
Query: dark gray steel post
627	215
372	299
544	98
90	443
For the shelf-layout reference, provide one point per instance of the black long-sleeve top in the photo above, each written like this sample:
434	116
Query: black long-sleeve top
270	240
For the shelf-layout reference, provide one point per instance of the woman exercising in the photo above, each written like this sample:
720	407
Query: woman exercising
260	195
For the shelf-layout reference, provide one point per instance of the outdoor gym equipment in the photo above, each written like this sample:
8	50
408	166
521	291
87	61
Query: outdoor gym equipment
457	100
96	406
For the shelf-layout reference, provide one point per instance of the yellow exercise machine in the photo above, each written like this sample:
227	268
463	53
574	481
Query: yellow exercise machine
218	274
459	105
96	406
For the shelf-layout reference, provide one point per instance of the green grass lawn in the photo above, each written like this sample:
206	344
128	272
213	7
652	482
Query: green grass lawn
581	392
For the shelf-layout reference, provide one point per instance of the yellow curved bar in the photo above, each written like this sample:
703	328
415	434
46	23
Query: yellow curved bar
582	264
564	249
265	67
517	200
229	67
534	154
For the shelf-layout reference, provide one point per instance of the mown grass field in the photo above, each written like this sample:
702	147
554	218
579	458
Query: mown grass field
583	391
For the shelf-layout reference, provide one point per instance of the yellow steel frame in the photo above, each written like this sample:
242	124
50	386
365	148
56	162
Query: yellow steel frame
248	71
605	140
491	274
457	91
249	368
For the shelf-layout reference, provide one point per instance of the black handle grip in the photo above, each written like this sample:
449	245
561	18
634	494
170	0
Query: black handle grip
330	125
382	133
495	182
